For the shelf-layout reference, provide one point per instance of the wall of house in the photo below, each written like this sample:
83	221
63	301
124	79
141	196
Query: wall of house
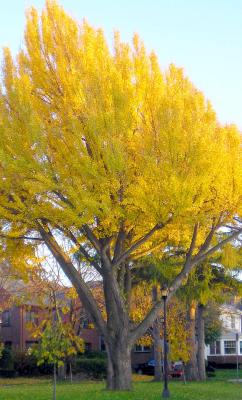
18	335
228	348
11	334
231	321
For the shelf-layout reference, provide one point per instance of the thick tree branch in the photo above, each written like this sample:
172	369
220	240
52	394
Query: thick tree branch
193	242
89	259
208	238
21	238
63	198
189	264
147	322
92	238
119	244
75	278
83	251
200	257
139	242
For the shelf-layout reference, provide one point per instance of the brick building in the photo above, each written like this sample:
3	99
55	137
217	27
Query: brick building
14	331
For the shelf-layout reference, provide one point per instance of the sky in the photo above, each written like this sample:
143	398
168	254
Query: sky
202	36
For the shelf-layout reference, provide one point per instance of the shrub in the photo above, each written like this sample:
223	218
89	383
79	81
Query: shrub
94	354
7	359
26	365
7	373
92	367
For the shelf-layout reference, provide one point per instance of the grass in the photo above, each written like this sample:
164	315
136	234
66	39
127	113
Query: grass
41	389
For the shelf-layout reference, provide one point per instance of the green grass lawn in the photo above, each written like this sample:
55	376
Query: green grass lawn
41	389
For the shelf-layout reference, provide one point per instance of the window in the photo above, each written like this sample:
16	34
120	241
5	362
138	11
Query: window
6	318
102	344
88	347
215	347
85	323
31	316
30	343
138	348
232	321
218	347
230	347
240	347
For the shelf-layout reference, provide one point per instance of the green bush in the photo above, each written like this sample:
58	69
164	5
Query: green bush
26	365
94	354
7	359
8	373
92	367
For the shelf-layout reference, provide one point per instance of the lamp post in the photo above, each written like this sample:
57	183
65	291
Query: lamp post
237	354
165	393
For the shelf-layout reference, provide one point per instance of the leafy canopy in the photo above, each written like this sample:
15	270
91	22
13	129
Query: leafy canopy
102	137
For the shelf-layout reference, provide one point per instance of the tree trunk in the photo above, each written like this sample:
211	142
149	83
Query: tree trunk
191	366
117	339
119	373
61	371
71	376
157	350
201	343
54	383
157	341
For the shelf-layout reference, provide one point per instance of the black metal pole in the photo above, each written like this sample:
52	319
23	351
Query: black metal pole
165	393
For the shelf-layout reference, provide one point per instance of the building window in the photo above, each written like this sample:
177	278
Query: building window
6	318
102	344
88	347
232	321
31	316
30	343
215	347
230	347
138	348
240	347
85	323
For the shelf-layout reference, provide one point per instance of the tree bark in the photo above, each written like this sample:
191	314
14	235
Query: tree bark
191	367
201	343
71	376
119	373
117	341
54	382
157	350
157	341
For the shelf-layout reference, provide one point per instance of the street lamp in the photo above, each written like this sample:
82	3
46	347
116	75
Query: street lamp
165	393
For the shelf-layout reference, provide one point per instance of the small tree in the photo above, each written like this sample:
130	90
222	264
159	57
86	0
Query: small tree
57	343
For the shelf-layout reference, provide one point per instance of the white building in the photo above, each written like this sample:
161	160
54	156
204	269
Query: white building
229	346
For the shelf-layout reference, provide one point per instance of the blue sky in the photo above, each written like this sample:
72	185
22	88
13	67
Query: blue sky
203	36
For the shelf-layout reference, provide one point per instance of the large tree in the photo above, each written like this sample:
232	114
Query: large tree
103	154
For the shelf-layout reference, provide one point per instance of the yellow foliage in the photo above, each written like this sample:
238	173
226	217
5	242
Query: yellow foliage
178	331
89	134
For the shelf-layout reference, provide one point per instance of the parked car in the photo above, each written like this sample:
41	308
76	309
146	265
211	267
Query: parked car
177	369
210	371
148	368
